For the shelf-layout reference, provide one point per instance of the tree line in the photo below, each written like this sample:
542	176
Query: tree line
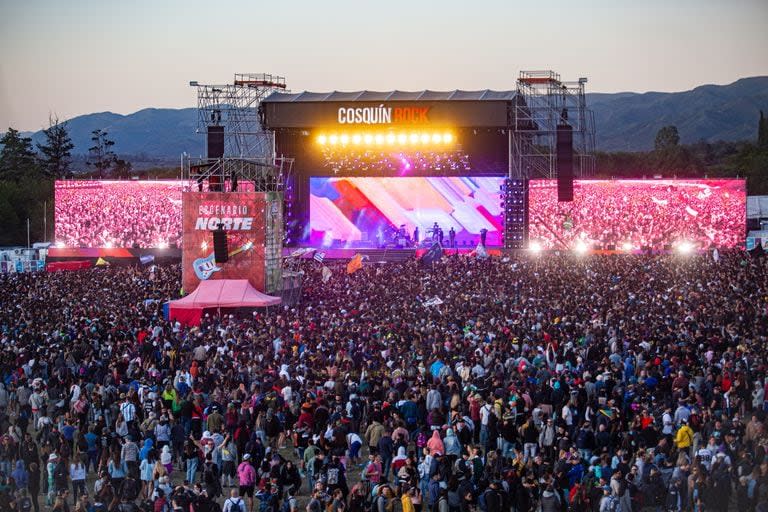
27	173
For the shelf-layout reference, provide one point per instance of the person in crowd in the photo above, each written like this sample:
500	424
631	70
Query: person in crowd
551	382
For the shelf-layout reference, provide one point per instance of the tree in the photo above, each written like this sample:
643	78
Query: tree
100	155
56	153
762	132
17	158
667	138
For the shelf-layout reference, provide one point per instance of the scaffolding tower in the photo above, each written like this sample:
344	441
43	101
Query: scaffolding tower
542	103
235	106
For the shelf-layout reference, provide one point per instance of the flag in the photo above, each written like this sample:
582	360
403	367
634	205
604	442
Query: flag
319	257
691	211
480	252
301	251
432	255
145	259
326	274
660	202
716	256
100	262
355	264
434	301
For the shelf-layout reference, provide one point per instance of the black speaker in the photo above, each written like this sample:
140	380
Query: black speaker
215	150
215	141
564	162
220	250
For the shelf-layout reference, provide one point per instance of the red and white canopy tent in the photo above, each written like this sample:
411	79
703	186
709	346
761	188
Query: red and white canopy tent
218	294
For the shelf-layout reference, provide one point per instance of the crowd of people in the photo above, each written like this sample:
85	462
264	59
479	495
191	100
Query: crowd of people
141	214
652	213
550	383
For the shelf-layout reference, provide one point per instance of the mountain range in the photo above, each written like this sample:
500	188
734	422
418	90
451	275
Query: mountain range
624	121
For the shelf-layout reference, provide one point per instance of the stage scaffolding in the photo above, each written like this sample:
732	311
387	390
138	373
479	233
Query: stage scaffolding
543	102
249	162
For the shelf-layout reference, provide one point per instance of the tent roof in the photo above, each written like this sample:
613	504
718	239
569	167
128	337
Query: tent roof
336	96
225	293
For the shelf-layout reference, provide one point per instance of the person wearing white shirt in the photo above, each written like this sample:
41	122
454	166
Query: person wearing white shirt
77	475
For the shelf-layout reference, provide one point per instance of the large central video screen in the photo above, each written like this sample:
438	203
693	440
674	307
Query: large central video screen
639	213
128	214
369	210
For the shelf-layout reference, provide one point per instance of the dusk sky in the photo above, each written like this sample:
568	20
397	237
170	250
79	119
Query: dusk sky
77	57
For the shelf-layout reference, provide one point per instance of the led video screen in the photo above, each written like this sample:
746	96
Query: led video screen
349	210
106	213
639	213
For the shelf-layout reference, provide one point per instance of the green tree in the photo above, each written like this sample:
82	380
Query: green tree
100	155
17	158
762	132
56	153
667	138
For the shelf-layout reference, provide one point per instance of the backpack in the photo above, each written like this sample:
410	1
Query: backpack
25	504
291	501
374	507
237	506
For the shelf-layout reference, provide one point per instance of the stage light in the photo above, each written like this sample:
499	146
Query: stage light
322	140
414	138
627	246
379	139
368	138
580	247
344	139
684	247
391	138
534	246
437	138
402	138
204	245
108	245
333	140
61	245
447	138
356	139
425	138
162	245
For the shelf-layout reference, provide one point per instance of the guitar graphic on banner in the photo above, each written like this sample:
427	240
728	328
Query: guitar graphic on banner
205	267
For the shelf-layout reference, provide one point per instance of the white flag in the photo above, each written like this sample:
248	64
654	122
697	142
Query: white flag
691	211
326	274
716	256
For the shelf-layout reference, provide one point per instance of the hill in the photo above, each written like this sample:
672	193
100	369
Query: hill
625	121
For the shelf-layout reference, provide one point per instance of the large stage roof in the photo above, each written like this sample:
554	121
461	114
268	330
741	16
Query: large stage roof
337	96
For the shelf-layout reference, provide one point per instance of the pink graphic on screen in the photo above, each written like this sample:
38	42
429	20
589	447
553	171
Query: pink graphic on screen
639	213
350	210
118	213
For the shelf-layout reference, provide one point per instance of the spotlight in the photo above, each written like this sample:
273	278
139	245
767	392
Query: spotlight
447	138
685	247
368	138
391	138
402	138
627	246
162	245
322	139
344	139
379	139
204	245
356	139
108	245
534	246
425	138
580	247
414	138
437	138
60	245
333	139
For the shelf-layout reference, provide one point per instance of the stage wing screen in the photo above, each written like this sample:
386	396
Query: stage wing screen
640	213
366	210
104	213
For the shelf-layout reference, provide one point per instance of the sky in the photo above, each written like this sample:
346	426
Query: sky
73	57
